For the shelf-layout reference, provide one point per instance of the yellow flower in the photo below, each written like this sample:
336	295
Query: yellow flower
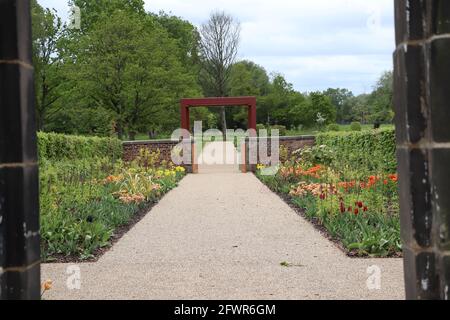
260	166
180	169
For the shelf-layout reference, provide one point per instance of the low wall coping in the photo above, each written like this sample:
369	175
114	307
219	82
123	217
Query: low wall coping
149	142
298	138
290	138
168	141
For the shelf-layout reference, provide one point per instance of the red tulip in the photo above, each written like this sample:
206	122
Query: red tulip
356	211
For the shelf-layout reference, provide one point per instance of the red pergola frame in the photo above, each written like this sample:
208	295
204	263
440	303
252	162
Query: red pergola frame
249	102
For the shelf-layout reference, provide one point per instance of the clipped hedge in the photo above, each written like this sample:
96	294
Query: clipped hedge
58	147
366	150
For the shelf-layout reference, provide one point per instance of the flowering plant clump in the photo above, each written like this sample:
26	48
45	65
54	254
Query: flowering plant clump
320	190
357	207
298	171
83	202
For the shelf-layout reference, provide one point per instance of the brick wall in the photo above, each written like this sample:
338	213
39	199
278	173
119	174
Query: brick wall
290	143
295	143
131	149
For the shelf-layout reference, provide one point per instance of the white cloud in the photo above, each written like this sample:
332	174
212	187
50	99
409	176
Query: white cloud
316	44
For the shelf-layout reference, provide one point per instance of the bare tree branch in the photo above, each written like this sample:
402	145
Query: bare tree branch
219	47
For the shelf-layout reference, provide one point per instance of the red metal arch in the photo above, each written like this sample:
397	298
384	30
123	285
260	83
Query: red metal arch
249	102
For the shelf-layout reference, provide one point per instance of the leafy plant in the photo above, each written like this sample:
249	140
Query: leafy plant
355	126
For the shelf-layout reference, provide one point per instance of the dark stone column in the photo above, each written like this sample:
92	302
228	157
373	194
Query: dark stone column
19	209
422	101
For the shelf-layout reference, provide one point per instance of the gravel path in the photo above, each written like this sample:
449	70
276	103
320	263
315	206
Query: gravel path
223	235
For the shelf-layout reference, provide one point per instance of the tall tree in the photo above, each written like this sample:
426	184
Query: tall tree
274	107
246	79
340	99
219	47
186	36
47	30
129	65
381	99
93	11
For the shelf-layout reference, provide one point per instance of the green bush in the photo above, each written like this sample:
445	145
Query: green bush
260	127
333	127
58	147
282	130
82	202
355	126
367	150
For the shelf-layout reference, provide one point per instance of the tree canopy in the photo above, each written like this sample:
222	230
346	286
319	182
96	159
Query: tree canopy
125	70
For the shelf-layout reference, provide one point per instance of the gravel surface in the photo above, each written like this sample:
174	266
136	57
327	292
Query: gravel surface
224	235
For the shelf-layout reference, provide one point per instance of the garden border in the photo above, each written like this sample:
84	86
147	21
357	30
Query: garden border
117	235
322	229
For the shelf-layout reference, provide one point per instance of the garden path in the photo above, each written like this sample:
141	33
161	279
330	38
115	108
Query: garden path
224	235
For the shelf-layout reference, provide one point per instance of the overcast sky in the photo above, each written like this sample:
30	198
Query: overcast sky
315	44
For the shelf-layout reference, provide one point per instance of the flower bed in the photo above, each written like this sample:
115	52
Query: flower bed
84	203
357	207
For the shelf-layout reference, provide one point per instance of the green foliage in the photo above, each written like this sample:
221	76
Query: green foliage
381	99
281	129
314	110
132	69
355	126
94	11
366	150
347	184
333	127
46	40
87	192
341	100
260	127
322	154
57	147
82	121
126	70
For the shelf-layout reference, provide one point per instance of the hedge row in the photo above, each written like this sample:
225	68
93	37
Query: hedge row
366	150
56	147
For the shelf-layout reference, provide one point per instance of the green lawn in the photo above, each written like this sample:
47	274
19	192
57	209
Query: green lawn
342	128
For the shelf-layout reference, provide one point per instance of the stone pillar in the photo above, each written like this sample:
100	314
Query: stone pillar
422	101
19	209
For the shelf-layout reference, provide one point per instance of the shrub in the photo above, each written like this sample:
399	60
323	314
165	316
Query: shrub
260	126
58	147
318	154
367	150
333	127
347	184
282	130
82	202
355	126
